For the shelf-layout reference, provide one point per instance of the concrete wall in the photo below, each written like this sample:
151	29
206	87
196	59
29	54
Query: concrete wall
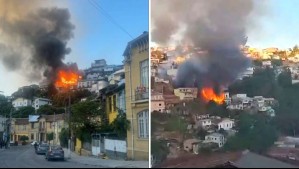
116	149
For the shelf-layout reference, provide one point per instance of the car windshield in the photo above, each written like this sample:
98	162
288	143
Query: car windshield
44	145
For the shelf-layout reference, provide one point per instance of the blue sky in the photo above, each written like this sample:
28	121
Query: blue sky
98	38
279	26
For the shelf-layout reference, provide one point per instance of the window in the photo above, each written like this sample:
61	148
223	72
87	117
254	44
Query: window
24	127
114	103
110	104
32	125
32	136
143	124
144	73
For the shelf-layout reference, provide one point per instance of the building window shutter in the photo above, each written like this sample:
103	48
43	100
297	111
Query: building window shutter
143	130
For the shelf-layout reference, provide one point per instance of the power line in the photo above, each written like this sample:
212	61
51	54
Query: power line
102	10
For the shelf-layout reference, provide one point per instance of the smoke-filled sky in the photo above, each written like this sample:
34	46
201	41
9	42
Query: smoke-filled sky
276	25
218	27
30	30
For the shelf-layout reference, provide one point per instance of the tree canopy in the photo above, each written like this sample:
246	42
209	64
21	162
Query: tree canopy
23	112
255	133
121	125
88	117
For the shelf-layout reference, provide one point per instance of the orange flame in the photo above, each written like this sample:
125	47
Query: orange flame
180	59
66	78
208	94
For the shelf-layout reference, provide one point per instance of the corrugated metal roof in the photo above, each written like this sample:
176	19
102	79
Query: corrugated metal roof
33	118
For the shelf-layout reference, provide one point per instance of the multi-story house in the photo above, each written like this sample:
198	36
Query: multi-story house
137	103
157	102
40	102
36	103
21	102
116	77
54	124
19	127
98	72
37	127
115	100
226	124
217	138
33	127
186	93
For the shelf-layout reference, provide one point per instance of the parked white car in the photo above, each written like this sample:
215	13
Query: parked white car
33	142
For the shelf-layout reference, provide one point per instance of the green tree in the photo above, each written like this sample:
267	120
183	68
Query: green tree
5	106
202	134
23	112
49	110
24	139
121	125
276	62
285	79
88	117
257	63
262	83
159	150
176	123
50	136
255	133
63	137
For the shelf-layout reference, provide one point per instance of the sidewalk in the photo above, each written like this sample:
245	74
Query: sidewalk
93	161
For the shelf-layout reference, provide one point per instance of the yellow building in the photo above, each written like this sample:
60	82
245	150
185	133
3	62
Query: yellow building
115	100
54	124
111	106
37	127
137	97
19	127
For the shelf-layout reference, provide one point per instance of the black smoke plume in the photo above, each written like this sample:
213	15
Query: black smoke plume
217	27
36	42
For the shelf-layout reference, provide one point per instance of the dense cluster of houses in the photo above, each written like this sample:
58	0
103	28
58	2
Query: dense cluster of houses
218	130
253	104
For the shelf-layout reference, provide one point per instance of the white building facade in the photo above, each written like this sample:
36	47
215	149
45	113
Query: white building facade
40	102
226	124
21	102
215	138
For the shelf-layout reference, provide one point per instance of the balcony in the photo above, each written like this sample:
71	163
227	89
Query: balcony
141	94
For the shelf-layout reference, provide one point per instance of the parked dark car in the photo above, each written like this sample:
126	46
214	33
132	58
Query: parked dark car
42	149
55	152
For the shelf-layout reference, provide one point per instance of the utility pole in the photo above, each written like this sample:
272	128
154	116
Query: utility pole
54	139
69	114
9	130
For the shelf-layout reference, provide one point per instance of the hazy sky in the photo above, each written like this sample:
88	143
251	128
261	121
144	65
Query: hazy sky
279	27
95	36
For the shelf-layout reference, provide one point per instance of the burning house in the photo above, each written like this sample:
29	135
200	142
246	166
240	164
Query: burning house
218	37
34	41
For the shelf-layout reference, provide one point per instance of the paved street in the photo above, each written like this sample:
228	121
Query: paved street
25	157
